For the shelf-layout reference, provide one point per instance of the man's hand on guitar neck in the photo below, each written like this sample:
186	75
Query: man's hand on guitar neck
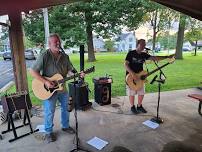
82	74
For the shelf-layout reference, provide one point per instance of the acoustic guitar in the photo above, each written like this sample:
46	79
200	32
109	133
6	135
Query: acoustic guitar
139	83
42	92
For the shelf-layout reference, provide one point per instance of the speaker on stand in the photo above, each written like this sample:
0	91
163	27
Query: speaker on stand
82	96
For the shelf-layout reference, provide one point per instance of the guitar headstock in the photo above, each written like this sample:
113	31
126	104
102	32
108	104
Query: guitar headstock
89	70
172	59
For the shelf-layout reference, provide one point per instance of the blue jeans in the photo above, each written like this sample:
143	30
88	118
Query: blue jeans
49	110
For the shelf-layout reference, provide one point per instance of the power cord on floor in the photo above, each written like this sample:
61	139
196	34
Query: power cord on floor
121	111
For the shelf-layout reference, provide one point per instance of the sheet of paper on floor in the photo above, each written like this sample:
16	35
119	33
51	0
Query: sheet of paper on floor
97	143
151	124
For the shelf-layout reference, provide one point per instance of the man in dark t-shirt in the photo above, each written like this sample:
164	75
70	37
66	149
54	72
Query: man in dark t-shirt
134	64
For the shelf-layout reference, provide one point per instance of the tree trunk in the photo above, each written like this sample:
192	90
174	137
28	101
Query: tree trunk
89	32
154	30
154	40
180	37
195	48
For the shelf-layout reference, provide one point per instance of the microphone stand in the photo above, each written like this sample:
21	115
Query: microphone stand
161	72
160	81
77	148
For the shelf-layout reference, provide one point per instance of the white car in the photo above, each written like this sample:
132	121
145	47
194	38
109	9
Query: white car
186	48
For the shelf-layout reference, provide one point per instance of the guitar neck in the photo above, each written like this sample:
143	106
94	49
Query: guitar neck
157	69
76	75
69	78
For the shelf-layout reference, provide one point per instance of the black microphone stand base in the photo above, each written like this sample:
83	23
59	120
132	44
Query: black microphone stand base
79	149
157	120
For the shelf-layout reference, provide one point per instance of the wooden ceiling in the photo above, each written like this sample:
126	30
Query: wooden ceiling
189	7
7	6
192	8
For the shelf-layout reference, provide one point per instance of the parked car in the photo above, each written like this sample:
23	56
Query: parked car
29	54
186	48
7	55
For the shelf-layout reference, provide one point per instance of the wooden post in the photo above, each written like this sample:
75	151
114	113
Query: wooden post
17	47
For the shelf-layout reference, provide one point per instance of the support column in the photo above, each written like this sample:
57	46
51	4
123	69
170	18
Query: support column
17	47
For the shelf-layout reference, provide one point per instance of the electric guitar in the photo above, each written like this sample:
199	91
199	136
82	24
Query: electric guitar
42	92
139	83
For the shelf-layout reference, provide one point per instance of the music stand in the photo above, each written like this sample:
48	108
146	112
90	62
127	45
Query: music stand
160	81
78	147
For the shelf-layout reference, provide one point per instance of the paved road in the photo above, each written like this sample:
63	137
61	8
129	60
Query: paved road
6	71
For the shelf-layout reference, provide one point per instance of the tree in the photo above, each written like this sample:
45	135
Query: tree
101	17
33	26
68	24
159	17
4	31
195	33
76	22
28	43
193	36
163	38
109	45
1	45
180	36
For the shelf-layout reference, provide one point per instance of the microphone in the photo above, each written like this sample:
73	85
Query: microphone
153	79
147	49
59	47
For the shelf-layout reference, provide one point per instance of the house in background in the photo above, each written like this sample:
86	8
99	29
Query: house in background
125	42
99	44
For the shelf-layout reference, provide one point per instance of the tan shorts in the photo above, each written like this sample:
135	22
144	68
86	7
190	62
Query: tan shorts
131	92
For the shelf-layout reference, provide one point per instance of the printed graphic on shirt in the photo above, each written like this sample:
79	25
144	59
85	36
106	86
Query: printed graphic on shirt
137	60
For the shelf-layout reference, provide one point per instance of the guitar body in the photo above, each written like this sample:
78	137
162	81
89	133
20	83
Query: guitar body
136	84
139	83
43	93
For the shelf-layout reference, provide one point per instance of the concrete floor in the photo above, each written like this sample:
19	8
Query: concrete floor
180	132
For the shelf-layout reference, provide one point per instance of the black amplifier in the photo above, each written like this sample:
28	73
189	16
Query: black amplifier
102	90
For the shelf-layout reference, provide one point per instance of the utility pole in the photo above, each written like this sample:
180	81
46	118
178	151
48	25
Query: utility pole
46	26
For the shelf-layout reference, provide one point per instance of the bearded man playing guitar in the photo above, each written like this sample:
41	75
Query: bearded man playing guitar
134	65
54	61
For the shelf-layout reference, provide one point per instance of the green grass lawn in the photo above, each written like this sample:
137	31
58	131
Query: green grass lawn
181	74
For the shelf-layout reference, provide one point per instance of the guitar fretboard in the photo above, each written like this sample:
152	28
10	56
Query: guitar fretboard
156	70
76	75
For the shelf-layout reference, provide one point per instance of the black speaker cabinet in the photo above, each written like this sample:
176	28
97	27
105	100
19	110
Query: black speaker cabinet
82	98
102	91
